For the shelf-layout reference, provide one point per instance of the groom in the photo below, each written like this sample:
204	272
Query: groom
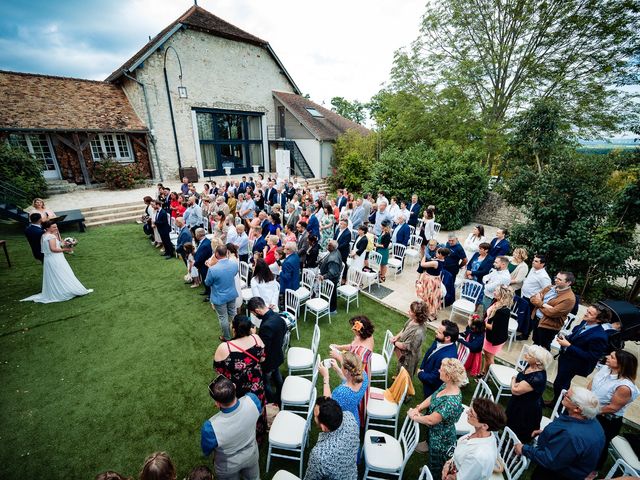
34	233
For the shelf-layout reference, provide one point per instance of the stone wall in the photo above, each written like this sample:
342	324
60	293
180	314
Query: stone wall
497	212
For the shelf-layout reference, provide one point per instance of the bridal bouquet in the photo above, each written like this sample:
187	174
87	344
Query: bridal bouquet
69	242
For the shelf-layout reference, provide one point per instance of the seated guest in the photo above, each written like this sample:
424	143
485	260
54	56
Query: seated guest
231	434
290	270
473	339
354	384
407	343
335	453
203	253
500	245
312	252
524	410
569	447
476	453
264	284
444	346
184	236
480	264
158	466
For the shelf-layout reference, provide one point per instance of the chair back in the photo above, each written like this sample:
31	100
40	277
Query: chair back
471	290
250	246
463	353
514	465
425	474
556	408
354	277
375	260
415	242
291	302
412	230
387	346
482	391
307	425
314	377
514	309
436	229
398	250
408	439
624	468
308	278
285	342
244	272
238	220
315	341
520	363
354	235
326	289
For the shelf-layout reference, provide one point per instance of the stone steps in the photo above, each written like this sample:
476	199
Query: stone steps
111	214
56	187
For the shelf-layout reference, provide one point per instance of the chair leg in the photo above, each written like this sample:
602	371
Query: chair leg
366	473
269	458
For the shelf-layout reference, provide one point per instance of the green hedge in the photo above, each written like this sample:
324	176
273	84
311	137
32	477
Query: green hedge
22	171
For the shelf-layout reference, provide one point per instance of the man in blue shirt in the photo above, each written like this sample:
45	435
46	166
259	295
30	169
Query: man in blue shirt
457	257
221	279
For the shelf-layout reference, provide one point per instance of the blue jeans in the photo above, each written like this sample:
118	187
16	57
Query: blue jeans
226	311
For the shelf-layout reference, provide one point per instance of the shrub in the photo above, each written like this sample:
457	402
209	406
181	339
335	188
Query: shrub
354	156
21	170
447	176
119	176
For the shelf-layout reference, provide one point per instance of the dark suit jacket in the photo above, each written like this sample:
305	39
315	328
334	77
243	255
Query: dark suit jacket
303	244
502	249
242	187
313	226
414	211
403	235
34	235
342	201
265	227
430	366
331	266
162	221
203	253
283	200
272	331
290	273
259	244
485	266
270	195
585	350
344	242
183	237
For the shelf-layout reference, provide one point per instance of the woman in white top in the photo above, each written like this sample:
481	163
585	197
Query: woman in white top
614	385
518	269
393	208
428	227
476	453
473	241
264	285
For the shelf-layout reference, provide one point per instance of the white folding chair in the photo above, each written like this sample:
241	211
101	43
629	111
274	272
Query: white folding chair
375	260
500	375
297	390
290	433
413	250
350	290
244	274
514	465
286	340
382	412
412	230
396	260
391	456
380	362
466	304
238	220
620	448
319	306
624	468
305	290
482	391
463	353
300	359
554	414
425	474
436	229
284	475
513	324
292	307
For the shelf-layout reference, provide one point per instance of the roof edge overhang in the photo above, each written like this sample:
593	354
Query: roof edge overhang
71	130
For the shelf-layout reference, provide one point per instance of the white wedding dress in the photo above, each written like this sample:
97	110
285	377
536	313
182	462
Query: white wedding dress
58	281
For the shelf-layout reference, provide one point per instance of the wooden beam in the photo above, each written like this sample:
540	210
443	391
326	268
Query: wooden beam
90	136
139	142
83	165
65	141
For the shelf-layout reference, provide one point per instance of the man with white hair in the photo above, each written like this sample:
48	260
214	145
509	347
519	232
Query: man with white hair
290	273
381	216
242	242
569	447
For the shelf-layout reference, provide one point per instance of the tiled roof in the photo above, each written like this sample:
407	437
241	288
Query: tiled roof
58	103
327	128
199	19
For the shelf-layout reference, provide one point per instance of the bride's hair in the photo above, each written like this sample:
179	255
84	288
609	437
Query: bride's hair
46	224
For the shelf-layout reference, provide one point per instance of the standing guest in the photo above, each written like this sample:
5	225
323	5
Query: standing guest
444	346
551	307
427	229
194	219
414	211
351	392
264	284
473	241
358	214
536	280
335	453
404	211
429	284
247	207
275	228
569	447
518	269
260	242
303	241
457	257
231	433
382	247
220	228
34	234
527	387
269	251
444	407
242	242
312	253
174	203
408	342
39	207
161	223
232	203
184	237
359	252
367	203
192	276
382	216
259	201
500	245
293	217
203	253
240	361
473	339
402	233
290	272
330	269
146	217
272	331
497	277
313	225
326	227
289	234
430	252
158	466
581	350
393	207
476	453
497	324
343	238
221	279
614	385
184	186
480	263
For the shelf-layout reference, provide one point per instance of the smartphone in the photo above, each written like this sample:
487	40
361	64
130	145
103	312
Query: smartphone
378	440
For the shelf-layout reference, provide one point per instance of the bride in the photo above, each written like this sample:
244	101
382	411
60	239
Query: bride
58	281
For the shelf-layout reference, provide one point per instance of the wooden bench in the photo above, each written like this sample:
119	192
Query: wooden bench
73	217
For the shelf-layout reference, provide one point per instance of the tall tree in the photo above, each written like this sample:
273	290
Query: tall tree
354	111
506	53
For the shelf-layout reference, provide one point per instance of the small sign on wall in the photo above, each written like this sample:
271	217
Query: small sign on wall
283	161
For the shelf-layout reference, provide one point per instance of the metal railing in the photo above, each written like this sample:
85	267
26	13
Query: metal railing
12	194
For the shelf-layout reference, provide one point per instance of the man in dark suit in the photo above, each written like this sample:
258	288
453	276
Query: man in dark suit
582	349
203	253
264	223
272	331
161	222
270	195
343	237
242	188
261	241
303	241
342	199
444	346
414	211
402	233
34	234
313	225
500	245
290	273
280	198
183	237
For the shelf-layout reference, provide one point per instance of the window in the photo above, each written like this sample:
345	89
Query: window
314	112
229	139
38	146
115	146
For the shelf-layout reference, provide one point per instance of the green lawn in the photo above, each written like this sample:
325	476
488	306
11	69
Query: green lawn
101	381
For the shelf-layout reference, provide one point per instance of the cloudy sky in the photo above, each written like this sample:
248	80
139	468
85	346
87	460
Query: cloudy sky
330	48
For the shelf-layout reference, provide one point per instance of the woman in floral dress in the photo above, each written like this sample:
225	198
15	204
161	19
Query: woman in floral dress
240	361
429	284
326	227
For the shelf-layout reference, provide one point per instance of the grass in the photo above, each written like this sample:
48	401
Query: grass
101	381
